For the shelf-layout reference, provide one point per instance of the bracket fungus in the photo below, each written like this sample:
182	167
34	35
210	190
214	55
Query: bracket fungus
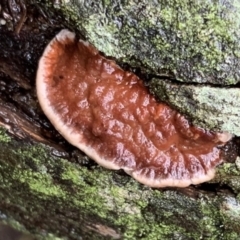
110	115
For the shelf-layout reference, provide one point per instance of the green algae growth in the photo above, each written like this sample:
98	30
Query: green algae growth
73	201
196	42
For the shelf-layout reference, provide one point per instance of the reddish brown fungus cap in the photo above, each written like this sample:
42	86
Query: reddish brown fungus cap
109	114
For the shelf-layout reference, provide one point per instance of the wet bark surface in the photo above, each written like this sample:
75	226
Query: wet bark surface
21	46
25	30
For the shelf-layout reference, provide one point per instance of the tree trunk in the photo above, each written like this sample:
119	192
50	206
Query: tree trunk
51	190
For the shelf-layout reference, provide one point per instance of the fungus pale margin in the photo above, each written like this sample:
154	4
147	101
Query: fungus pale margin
109	114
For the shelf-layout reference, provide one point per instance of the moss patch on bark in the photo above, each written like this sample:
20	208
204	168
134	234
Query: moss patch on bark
193	41
52	197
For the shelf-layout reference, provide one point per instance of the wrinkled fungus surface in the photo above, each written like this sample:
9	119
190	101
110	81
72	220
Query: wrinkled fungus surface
109	114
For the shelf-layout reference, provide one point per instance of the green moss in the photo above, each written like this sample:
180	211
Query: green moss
4	137
211	220
39	183
162	37
229	169
229	174
62	195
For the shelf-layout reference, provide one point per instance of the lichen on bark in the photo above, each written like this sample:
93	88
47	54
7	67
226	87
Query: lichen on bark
72	201
193	41
66	198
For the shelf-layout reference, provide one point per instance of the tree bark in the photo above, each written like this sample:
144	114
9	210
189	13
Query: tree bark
50	190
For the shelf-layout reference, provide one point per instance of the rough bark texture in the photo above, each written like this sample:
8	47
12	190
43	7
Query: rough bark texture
51	190
194	41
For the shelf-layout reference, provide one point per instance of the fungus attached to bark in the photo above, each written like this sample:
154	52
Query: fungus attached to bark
109	114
